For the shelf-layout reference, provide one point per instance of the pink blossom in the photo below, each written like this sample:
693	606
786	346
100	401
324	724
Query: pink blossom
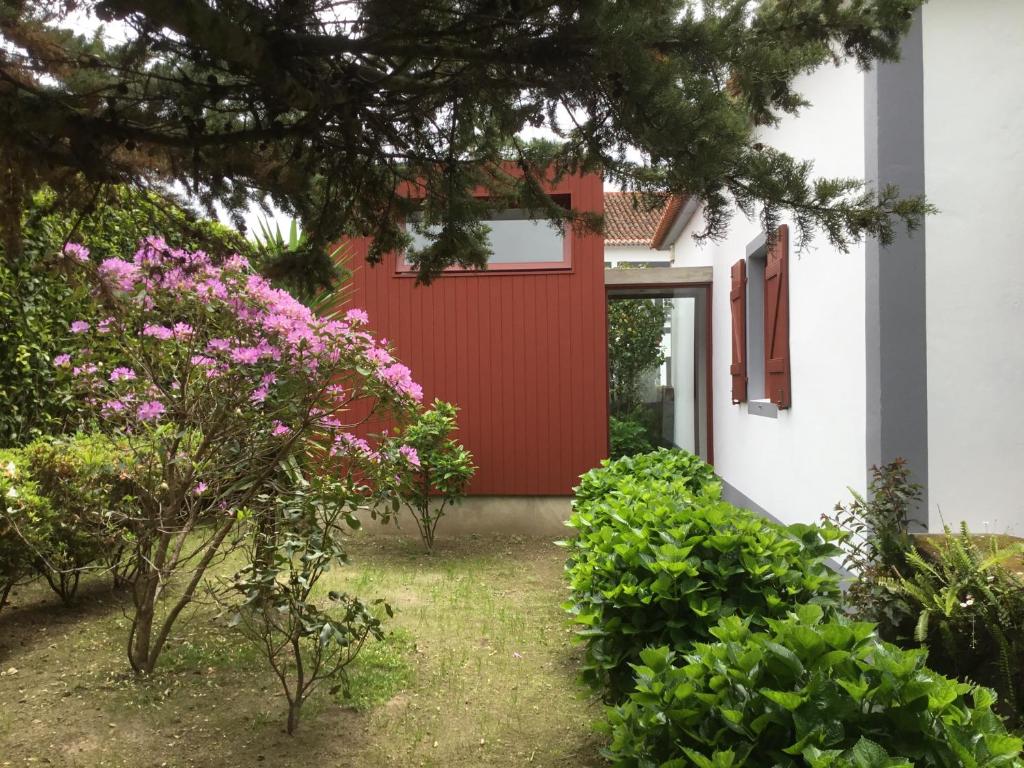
202	360
113	406
182	330
150	410
80	326
259	394
161	332
119	274
219	345
280	429
379	356
84	370
357	316
410	454
400	377
103	326
77	251
200	488
62	361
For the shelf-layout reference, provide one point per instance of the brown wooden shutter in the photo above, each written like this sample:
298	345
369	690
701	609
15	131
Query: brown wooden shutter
738	302
776	320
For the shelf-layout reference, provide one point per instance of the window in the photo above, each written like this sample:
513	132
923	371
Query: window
759	300
517	242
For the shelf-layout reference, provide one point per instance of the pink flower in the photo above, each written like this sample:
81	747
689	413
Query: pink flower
200	488
161	332
182	330
357	316
118	374
260	393
202	360
113	406
79	326
77	251
410	455
103	326
280	429
148	411
119	274
219	345
62	361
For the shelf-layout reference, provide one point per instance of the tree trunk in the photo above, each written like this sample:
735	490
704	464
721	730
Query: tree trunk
294	710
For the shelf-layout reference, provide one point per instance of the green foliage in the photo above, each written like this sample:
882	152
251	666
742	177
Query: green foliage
38	301
969	611
437	468
662	464
877	543
635	331
25	517
627	437
803	692
377	94
65	503
83	478
280	258
304	643
656	564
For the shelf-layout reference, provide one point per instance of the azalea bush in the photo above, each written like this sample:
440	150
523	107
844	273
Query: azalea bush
211	379
306	641
803	691
437	467
654	563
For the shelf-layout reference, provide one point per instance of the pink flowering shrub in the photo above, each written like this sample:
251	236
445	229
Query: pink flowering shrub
215	378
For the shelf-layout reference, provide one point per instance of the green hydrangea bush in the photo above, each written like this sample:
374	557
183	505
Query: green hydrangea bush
662	464
808	691
656	564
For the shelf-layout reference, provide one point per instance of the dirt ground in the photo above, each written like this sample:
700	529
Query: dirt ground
480	671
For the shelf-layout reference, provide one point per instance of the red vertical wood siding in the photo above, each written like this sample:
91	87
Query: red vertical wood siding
522	354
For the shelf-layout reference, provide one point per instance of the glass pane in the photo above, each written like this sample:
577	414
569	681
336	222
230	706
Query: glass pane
516	239
652	367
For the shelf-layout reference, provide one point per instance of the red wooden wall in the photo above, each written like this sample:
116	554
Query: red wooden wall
523	355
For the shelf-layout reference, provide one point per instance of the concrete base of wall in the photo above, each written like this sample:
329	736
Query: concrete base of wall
534	516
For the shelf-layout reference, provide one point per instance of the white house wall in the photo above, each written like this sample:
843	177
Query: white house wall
974	173
796	466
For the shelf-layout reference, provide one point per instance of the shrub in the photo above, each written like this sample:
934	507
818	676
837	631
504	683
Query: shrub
662	464
437	468
654	564
214	379
876	545
304	643
25	518
83	478
806	692
627	437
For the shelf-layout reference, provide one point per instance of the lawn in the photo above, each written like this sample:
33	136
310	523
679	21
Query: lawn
479	670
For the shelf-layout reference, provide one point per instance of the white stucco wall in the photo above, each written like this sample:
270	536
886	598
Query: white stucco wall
797	466
974	173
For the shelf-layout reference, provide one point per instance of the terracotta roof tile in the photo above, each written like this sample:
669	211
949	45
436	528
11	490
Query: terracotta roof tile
626	222
668	217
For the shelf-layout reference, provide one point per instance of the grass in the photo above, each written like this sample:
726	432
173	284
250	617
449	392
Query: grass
478	670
